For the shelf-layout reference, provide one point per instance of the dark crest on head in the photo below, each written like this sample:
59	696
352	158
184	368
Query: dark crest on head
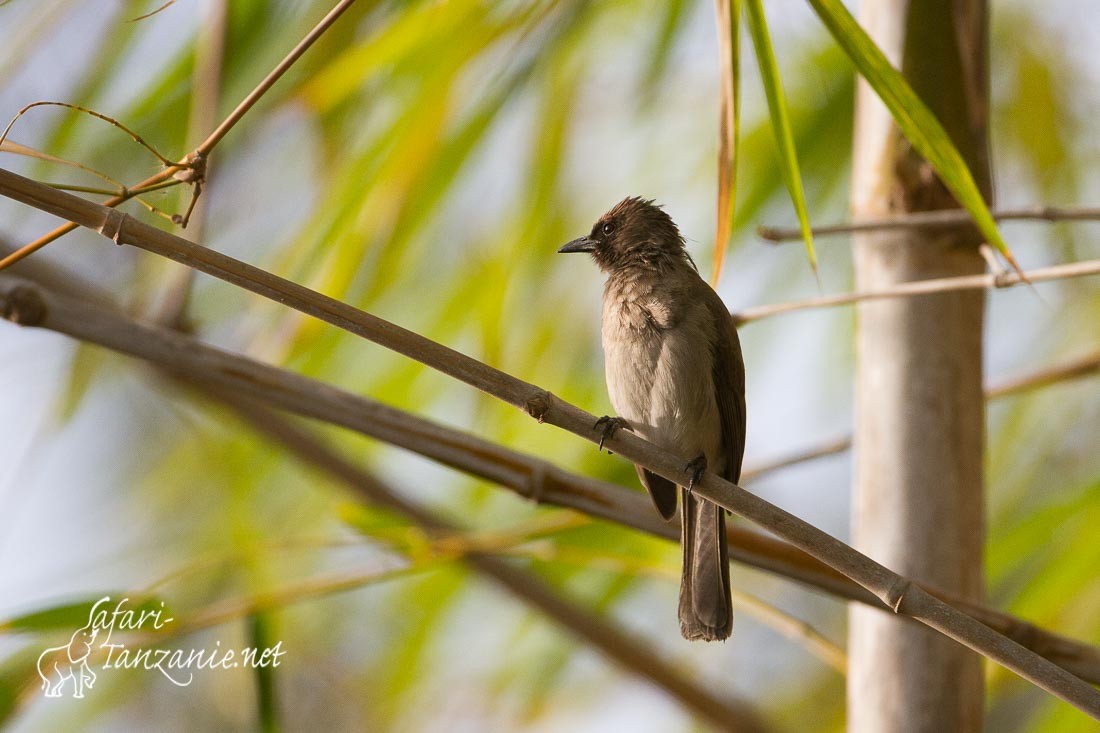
634	233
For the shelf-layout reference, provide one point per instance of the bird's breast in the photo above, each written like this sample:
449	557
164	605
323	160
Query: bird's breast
632	346
660	378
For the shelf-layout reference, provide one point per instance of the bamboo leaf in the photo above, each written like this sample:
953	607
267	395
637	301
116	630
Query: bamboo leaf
913	118
70	615
87	364
675	14
18	676
781	122
729	125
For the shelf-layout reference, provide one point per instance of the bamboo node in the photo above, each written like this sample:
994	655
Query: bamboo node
536	483
896	593
193	168
538	404
111	227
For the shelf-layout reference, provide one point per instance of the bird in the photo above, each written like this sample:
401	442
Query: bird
676	377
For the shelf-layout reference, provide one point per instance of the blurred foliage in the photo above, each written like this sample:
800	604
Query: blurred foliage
423	162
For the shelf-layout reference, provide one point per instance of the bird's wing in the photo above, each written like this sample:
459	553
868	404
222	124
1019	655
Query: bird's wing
661	490
729	387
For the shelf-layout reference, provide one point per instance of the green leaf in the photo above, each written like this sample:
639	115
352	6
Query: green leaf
261	638
18	678
72	615
87	363
674	17
781	122
913	118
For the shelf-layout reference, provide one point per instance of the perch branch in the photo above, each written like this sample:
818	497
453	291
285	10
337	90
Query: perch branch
901	595
931	219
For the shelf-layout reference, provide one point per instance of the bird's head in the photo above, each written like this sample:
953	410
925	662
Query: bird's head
634	233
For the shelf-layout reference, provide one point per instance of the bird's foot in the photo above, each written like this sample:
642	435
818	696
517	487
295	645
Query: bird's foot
695	469
607	425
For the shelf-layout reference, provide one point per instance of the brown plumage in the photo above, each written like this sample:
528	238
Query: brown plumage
676	377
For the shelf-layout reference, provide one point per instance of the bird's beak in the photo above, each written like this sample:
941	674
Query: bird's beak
581	244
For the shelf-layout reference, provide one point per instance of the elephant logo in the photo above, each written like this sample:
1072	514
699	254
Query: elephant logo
59	664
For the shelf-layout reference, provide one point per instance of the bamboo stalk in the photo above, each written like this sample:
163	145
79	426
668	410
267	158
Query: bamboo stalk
918	480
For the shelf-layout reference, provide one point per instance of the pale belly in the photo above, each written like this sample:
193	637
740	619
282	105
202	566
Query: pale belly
661	384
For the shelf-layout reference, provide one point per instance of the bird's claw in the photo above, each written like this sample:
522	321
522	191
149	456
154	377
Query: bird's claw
607	425
695	469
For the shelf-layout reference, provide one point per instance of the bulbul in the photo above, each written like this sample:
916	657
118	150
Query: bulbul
676	377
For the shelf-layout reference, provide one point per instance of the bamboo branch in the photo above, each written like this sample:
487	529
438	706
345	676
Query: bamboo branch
1077	368
192	166
931	219
829	447
924	287
899	594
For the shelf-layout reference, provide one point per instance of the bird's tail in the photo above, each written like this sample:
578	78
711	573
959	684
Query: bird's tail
706	611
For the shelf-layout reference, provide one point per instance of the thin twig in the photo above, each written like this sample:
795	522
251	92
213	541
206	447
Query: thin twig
796	629
827	448
75	188
7	146
151	13
99	115
136	195
192	165
898	593
273	76
205	91
1073	369
931	219
925	287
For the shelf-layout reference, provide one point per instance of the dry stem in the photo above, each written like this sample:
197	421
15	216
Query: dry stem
1002	279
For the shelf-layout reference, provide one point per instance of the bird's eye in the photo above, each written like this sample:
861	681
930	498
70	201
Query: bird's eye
608	228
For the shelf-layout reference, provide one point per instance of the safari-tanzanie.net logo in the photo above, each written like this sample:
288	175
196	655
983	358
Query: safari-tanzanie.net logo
69	667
